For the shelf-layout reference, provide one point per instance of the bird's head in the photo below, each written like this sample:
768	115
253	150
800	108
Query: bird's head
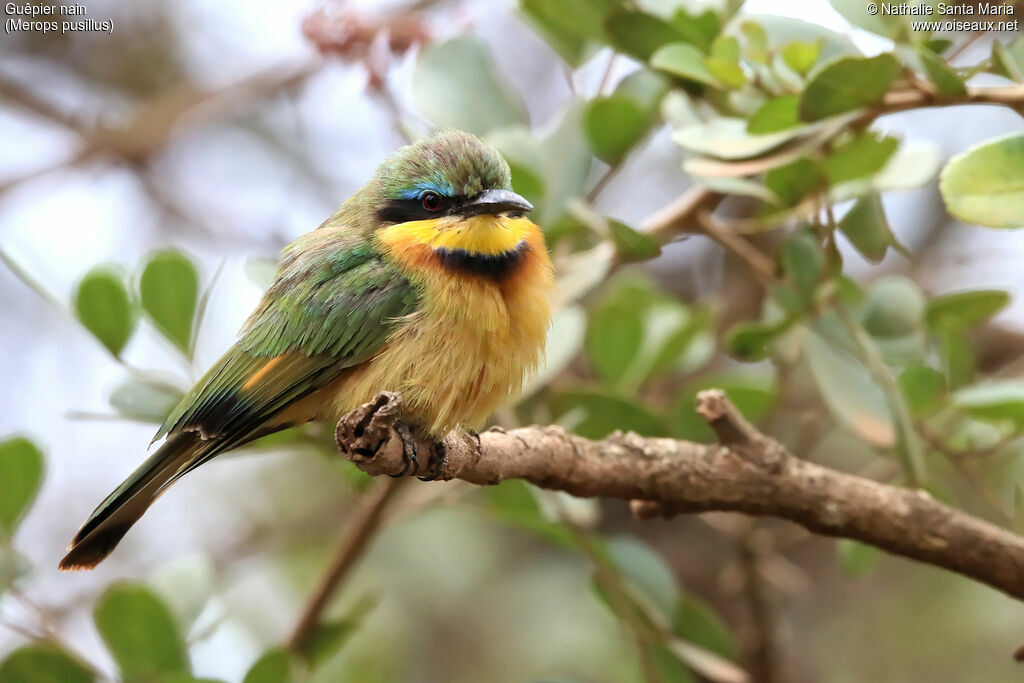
450	174
450	192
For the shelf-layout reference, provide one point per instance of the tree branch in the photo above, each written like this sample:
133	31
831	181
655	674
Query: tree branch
360	530
747	472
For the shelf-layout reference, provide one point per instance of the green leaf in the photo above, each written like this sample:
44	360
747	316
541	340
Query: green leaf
685	61
985	184
923	387
992	400
781	31
645	87
455	84
185	584
956	355
726	48
613	126
43	663
614	334
738	186
776	114
630	244
514	502
793	182
699	29
640	35
567	162
595	415
103	307
867	229
638	563
673	337
894	307
850	393
554	21
801	56
757	41
699	623
525	156
914	165
859	156
965	309
856	558
847	84
21	473
729	74
275	666
145	400
940	73
937	45
889	26
169	290
1008	60
748	341
803	261
140	632
669	665
728	138
329	637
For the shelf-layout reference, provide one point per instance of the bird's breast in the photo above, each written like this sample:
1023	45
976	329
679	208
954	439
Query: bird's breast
480	330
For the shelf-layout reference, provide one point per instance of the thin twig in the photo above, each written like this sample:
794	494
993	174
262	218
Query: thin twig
908	445
606	76
957	459
959	49
360	530
602	182
764	655
761	266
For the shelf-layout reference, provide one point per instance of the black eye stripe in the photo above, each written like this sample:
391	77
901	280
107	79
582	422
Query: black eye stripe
405	210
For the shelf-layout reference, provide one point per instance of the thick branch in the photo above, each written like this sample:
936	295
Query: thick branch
748	472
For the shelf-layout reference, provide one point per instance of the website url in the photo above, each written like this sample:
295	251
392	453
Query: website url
952	25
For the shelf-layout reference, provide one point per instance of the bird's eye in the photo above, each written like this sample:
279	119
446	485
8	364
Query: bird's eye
431	201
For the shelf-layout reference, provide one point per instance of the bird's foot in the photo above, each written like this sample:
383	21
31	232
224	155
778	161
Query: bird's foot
411	462
436	462
367	453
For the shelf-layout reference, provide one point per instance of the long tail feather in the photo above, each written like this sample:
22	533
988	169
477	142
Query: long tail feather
112	519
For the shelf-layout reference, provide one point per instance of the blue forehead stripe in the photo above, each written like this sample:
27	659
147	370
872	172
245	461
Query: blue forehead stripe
443	189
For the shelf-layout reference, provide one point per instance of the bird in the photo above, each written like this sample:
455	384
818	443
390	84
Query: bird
429	281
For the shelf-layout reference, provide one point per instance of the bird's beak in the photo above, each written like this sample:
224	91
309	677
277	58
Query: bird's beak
495	202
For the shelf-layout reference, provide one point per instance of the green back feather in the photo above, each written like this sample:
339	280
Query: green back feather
333	304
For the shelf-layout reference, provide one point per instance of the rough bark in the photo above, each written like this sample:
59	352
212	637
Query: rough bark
745	472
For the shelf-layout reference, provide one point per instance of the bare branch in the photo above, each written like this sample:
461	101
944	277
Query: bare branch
748	473
360	530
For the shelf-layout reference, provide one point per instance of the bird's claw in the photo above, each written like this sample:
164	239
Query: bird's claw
411	463
368	453
436	463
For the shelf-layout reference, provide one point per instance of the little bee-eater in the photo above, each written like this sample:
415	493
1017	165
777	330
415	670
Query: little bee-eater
429	281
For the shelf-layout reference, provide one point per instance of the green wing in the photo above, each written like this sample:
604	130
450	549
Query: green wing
331	307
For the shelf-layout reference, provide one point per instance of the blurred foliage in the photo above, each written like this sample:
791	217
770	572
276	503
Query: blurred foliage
771	111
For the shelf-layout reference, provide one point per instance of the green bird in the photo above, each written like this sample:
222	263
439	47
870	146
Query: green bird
429	281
